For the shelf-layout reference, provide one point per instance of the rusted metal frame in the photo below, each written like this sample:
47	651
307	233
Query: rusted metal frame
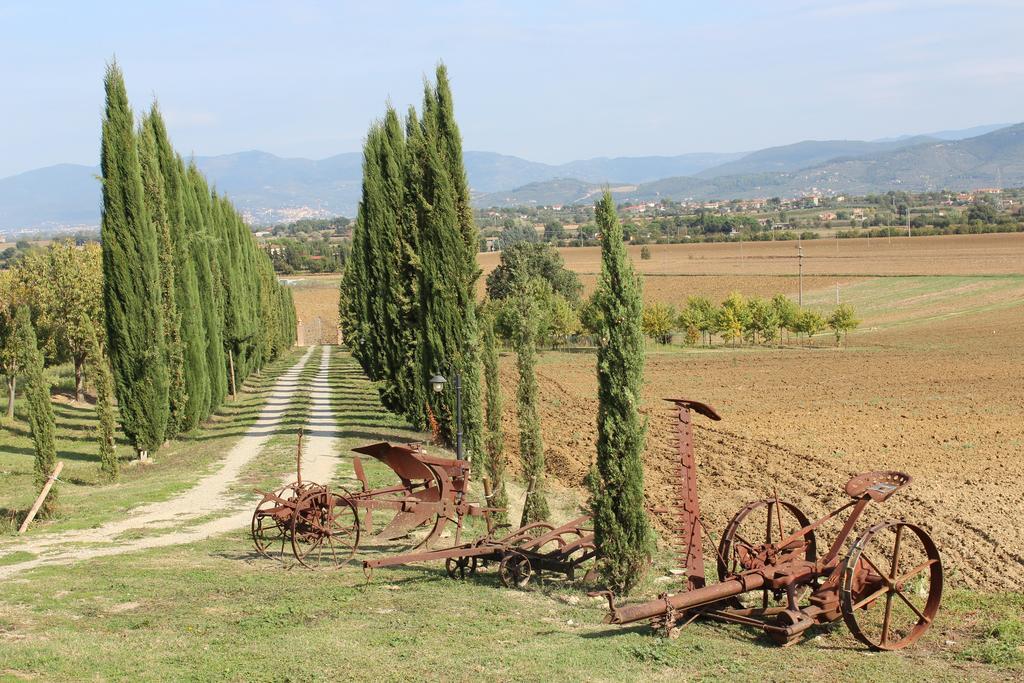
814	526
569	527
689	501
844	533
483	551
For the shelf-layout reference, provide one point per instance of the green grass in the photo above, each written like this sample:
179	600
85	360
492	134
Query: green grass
84	501
213	611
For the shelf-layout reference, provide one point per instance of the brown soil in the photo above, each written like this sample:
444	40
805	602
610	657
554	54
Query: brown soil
995	254
803	420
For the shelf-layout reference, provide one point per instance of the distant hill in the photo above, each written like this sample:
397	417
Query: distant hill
992	159
271	188
803	154
65	194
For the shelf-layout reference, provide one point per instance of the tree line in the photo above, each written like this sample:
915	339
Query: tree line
408	310
407	307
738	319
166	316
191	304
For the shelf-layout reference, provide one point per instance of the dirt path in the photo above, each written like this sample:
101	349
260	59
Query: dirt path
173	521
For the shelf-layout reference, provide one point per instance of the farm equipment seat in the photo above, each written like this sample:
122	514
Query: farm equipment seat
878	485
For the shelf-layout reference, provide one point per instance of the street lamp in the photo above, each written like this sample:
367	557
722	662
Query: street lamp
437	383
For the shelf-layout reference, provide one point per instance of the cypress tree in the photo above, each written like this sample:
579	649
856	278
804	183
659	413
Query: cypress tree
100	367
448	247
131	293
524	313
40	411
156	204
494	464
622	533
186	285
413	217
210	290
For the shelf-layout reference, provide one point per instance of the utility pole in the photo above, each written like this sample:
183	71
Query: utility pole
837	293
800	266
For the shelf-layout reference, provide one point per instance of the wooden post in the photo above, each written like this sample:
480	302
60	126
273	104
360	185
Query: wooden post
42	496
231	365
526	498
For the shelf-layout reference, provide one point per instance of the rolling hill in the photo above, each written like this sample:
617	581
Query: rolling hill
267	186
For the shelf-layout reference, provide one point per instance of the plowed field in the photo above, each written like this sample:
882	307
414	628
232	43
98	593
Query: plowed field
932	385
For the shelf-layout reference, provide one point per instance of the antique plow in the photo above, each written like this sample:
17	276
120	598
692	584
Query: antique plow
520	556
323	526
318	524
887	588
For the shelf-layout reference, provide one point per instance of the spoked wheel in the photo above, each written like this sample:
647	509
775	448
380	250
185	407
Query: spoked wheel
515	570
271	522
460	567
891	585
756	526
325	529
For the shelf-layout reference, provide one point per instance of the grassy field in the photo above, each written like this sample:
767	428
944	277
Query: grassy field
930	385
214	610
84	501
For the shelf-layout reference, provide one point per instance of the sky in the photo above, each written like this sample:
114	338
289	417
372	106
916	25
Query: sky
547	81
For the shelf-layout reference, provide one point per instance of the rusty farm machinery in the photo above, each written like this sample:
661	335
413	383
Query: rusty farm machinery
770	574
323	526
887	588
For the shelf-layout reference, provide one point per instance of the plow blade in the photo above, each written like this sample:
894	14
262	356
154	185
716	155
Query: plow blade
404	522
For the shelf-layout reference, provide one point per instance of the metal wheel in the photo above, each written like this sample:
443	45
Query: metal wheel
515	570
325	529
270	526
891	585
756	526
460	567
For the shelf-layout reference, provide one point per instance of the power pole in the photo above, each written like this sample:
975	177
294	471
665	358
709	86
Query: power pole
800	266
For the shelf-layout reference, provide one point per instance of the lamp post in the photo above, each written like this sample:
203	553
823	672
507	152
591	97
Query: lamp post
437	383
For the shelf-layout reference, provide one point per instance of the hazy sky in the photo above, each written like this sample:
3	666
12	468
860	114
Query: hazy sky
549	81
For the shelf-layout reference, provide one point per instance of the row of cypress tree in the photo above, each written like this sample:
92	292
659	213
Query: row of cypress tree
192	305
408	307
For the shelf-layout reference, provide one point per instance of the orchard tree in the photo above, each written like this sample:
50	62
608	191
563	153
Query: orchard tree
786	312
810	323
659	321
63	283
621	529
842	320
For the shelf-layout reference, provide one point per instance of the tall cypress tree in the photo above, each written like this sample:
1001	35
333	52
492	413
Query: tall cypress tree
131	271
356	293
156	205
99	366
448	247
40	411
210	290
495	438
622	533
186	285
413	218
524	313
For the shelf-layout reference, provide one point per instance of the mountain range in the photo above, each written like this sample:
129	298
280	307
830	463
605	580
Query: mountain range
269	188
